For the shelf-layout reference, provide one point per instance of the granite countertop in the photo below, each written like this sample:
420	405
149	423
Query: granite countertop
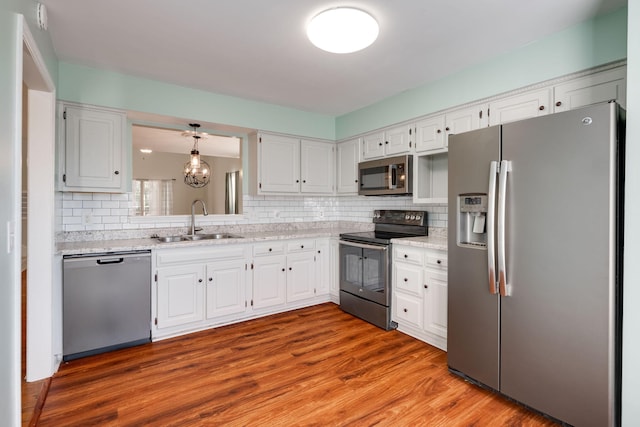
430	242
117	245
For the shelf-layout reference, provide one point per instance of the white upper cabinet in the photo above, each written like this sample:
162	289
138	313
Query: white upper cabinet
286	165
392	141
519	107
93	149
347	158
599	87
279	164
465	119
317	167
430	134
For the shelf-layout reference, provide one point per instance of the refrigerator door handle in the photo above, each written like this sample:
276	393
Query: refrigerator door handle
491	213
505	169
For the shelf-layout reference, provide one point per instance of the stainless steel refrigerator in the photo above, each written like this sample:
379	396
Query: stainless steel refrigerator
535	241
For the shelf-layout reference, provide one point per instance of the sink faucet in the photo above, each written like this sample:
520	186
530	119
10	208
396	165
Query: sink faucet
193	214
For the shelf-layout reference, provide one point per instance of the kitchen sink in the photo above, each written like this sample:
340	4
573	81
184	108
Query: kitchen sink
195	237
169	239
214	236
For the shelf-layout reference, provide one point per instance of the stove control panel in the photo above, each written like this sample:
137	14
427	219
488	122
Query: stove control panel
400	217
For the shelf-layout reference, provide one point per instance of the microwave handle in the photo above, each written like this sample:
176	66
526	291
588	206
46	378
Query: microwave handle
393	177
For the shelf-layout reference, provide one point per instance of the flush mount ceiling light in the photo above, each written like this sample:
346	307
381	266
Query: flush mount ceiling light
196	171
342	30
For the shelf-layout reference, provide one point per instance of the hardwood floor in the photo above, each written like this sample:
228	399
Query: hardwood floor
314	366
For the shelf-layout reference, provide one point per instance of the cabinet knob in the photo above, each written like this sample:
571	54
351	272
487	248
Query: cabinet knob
541	108
283	269
304	181
406	256
386	142
447	129
426	286
270	249
289	268
211	279
199	280
356	180
439	130
380	144
117	172
439	261
406	280
301	246
405	310
297	180
559	103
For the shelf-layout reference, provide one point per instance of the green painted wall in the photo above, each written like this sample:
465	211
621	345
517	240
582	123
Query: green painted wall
99	87
591	43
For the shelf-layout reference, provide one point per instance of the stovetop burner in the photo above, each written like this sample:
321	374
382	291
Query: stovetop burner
391	224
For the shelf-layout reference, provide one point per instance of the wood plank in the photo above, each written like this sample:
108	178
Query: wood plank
314	366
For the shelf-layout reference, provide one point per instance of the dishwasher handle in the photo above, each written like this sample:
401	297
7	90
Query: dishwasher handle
110	261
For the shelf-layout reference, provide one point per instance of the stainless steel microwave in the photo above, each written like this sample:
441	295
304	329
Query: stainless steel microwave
388	176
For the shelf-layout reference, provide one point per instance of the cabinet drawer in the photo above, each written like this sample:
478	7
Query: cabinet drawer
271	248
408	310
301	245
408	278
436	260
408	254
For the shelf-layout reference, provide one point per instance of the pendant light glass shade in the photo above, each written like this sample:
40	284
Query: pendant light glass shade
197	172
342	30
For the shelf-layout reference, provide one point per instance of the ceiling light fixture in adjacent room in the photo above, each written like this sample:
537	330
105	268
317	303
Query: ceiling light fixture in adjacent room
196	171
342	30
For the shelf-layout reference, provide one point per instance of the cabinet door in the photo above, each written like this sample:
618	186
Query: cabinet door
317	167
348	156
465	119
407	310
323	267
373	145
279	164
599	87
180	295
94	148
269	281
301	274
523	106
435	303
430	134
399	140
226	288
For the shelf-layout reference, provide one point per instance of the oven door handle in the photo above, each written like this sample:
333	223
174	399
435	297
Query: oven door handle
363	245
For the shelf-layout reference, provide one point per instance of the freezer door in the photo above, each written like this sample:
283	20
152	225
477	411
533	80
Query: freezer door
558	321
473	311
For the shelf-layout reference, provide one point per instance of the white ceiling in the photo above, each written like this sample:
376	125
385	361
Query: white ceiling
258	50
174	141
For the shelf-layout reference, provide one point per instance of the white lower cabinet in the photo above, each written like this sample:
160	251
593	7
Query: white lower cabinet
269	275
226	288
180	294
200	287
419	296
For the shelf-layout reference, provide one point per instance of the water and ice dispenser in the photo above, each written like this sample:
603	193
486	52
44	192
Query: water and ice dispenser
472	220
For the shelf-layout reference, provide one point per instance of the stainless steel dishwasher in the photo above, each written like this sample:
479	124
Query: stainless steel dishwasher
106	302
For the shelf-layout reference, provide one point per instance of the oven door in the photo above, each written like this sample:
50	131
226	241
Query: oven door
364	271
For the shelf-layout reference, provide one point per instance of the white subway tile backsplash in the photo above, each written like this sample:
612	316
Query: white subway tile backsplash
99	211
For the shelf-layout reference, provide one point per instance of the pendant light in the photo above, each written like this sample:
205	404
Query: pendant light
196	171
342	30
